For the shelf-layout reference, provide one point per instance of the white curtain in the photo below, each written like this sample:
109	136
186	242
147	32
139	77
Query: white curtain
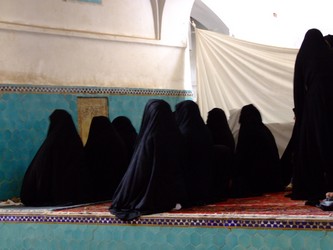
232	73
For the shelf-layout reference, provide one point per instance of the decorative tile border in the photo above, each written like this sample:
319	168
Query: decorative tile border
285	224
86	1
8	88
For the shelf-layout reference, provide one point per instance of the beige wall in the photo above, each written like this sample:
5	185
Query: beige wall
120	43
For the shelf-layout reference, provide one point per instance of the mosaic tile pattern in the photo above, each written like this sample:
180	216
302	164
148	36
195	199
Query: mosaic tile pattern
297	224
71	236
93	90
91	1
24	119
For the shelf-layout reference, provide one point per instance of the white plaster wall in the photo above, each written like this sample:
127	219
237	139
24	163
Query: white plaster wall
55	42
118	17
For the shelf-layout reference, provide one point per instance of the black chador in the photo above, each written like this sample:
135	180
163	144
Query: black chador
257	160
126	130
106	159
54	177
153	181
313	99
218	125
223	151
198	153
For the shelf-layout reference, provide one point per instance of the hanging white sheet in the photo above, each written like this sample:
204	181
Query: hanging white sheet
232	73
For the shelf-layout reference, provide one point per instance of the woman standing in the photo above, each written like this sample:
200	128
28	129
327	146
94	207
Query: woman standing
313	99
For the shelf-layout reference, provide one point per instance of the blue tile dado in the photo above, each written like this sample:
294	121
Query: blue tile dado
24	119
69	236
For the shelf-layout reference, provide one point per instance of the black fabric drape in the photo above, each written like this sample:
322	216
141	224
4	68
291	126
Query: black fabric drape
106	159
153	181
313	98
223	151
54	177
198	152
257	158
287	161
127	132
218	125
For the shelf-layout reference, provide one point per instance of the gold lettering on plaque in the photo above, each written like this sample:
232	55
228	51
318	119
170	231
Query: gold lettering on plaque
88	108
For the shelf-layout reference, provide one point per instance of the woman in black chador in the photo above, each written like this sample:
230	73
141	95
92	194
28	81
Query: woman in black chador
313	99
287	160
198	152
223	149
257	158
153	181
55	175
218	125
106	158
127	131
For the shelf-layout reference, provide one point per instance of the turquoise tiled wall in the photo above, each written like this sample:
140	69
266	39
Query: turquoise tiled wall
23	127
69	236
24	121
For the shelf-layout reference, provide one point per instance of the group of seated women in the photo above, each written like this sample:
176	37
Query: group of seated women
66	172
176	160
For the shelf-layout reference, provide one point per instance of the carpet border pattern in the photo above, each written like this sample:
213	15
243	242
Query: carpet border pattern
182	221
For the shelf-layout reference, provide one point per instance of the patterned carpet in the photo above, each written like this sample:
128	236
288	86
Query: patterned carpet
272	205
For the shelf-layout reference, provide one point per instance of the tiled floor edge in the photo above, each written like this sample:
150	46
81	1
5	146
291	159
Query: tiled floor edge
246	223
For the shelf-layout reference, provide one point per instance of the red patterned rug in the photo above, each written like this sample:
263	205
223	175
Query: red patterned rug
275	204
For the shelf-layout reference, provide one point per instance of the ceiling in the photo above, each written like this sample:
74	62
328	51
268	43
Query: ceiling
205	18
